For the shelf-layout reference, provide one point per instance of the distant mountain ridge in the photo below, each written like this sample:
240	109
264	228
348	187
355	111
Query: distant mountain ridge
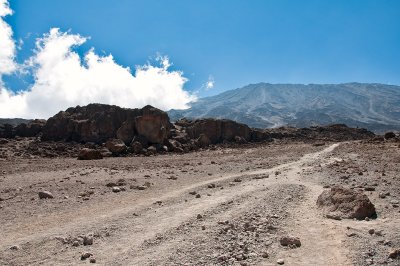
369	105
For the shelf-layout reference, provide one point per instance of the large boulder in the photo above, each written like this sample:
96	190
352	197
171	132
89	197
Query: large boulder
89	154
390	135
116	146
347	203
217	130
153	124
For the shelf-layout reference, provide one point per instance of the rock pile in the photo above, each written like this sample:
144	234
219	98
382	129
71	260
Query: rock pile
341	202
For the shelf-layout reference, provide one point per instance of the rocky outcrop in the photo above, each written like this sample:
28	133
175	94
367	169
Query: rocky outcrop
216	130
343	202
99	122
31	128
336	132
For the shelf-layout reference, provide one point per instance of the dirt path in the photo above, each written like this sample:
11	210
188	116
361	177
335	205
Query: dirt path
131	227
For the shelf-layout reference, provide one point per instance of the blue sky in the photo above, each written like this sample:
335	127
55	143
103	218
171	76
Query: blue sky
234	42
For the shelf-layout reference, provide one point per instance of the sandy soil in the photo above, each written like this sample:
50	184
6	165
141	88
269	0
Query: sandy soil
212	207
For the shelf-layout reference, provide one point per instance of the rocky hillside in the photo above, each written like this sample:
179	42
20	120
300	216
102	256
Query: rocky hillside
112	130
372	106
14	121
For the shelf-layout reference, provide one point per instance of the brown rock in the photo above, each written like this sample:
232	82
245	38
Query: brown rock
154	125
89	154
136	147
390	135
127	131
346	203
290	241
116	146
45	195
394	254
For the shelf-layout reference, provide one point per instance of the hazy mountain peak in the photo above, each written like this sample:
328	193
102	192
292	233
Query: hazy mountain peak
371	105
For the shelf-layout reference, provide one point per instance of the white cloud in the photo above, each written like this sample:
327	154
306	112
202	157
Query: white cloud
210	83
64	79
7	44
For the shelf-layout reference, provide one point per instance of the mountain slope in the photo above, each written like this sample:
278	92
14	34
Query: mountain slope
374	106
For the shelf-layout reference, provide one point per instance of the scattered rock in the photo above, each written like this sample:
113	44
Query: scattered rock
116	189
86	255
394	254
116	146
280	261
15	247
92	260
390	135
45	195
346	203
290	241
265	255
89	154
88	240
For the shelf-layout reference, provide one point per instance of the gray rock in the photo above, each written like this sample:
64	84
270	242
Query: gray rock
116	189
290	241
45	195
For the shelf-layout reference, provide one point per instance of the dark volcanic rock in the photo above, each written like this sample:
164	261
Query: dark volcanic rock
116	146
153	124
390	135
89	154
30	128
218	131
99	122
346	203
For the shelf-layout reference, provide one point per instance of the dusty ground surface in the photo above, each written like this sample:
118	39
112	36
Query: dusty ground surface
213	207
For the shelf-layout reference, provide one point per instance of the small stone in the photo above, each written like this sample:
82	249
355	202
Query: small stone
75	243
199	216
198	196
88	240
394	254
265	255
86	255
280	261
116	189
15	247
203	227
371	231
290	241
192	192
92	260
45	195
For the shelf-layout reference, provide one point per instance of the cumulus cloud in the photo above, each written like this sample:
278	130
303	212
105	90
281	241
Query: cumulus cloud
7	44
62	78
